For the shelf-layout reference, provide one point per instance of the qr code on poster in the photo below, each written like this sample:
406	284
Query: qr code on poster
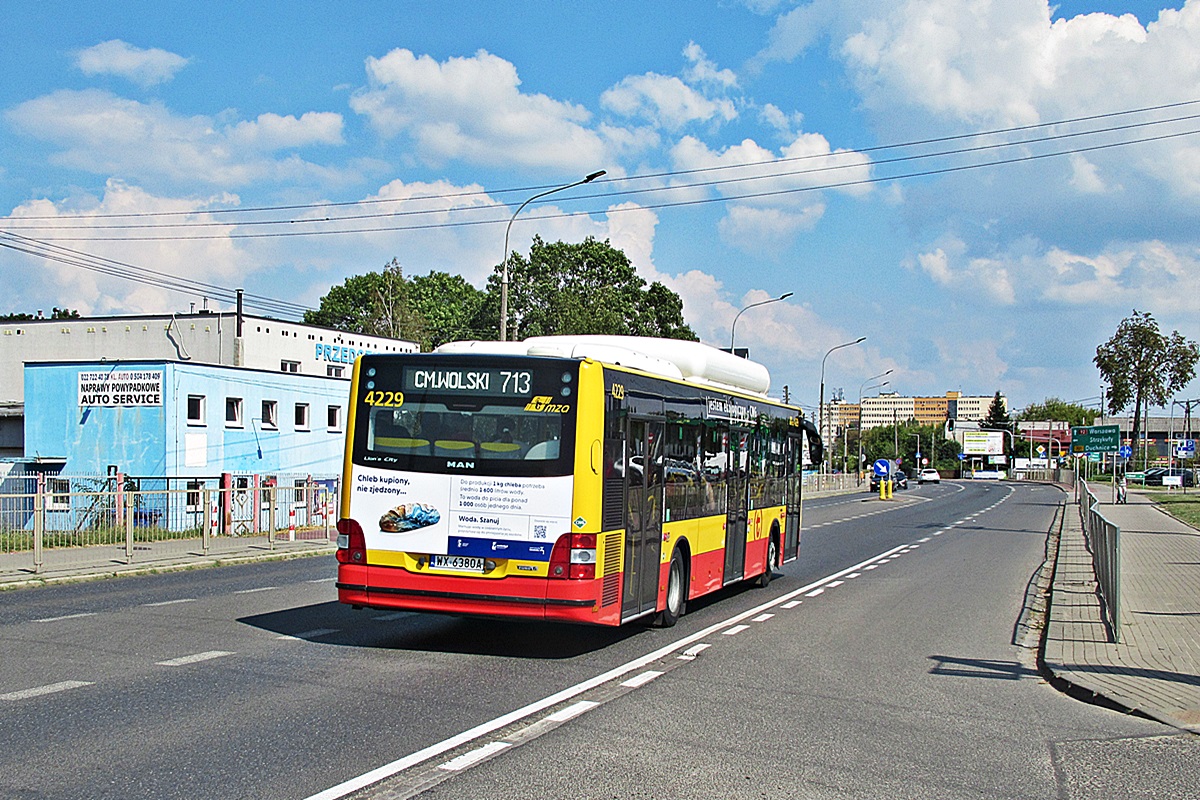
539	531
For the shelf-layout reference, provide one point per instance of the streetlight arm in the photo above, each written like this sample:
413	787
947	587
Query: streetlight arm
733	327
504	263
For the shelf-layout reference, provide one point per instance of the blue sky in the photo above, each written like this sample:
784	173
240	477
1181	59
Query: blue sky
999	266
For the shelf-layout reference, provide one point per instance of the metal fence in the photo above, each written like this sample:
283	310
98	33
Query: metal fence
836	482
1104	541
61	519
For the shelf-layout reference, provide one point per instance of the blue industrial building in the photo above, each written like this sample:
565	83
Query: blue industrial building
167	419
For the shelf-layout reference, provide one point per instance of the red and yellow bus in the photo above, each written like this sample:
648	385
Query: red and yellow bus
581	479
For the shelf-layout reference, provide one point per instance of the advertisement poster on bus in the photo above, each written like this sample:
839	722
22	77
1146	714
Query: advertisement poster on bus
466	515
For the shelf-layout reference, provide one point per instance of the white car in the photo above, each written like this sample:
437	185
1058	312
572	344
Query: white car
928	476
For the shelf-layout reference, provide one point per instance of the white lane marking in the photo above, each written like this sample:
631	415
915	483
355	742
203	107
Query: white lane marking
791	604
483	729
169	602
50	688
67	616
572	711
641	680
853	575
468	759
322	580
693	651
871	566
762	618
735	630
815	592
834	584
194	658
253	591
314	633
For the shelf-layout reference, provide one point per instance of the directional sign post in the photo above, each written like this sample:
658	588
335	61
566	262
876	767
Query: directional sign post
1095	439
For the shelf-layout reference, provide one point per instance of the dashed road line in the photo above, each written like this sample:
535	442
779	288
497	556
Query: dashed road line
313	634
195	658
39	691
256	590
641	680
80	615
169	602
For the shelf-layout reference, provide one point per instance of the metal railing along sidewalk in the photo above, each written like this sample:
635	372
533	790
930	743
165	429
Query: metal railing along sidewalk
1155	667
1104	542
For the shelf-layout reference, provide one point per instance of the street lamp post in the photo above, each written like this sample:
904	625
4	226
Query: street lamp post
504	264
733	327
821	399
861	388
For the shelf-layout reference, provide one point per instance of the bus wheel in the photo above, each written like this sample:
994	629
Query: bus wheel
764	580
676	592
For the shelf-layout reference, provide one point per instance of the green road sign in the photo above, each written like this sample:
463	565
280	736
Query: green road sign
1096	439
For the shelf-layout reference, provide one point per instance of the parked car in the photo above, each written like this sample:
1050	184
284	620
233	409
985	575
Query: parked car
1154	477
929	476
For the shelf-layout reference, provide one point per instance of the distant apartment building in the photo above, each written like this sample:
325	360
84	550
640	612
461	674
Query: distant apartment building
890	408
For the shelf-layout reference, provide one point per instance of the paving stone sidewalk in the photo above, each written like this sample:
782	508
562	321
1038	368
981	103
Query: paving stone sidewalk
1155	668
91	563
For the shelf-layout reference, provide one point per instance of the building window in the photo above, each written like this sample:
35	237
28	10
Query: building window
301	416
194	489
233	412
60	494
289	366
334	371
270	414
195	409
334	416
299	491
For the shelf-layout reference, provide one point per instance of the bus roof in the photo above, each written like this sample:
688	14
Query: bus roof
671	358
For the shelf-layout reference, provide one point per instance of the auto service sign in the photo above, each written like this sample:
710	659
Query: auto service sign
117	388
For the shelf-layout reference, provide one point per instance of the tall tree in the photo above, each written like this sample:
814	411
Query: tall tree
589	287
1143	366
374	303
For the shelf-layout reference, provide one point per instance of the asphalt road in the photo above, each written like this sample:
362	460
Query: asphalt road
882	664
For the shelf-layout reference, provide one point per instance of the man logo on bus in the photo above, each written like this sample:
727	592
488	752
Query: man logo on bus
542	403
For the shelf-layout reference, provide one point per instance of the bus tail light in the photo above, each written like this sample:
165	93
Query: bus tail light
352	544
574	556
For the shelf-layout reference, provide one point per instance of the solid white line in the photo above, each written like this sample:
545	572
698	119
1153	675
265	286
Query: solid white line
67	616
38	691
314	633
192	659
469	759
572	711
169	602
641	680
259	589
412	759
735	630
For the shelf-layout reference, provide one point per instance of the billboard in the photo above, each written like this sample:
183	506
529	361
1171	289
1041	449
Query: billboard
983	443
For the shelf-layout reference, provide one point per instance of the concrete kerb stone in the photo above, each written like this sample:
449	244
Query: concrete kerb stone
84	574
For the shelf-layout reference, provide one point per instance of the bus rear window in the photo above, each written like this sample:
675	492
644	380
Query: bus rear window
490	433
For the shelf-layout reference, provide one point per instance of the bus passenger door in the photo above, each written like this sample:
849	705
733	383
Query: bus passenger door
735	507
643	531
792	481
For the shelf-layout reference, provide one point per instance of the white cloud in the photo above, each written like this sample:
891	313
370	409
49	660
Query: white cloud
144	67
672	103
105	134
665	100
704	71
49	283
472	109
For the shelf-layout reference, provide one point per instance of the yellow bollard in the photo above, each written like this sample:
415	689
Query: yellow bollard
883	490
889	488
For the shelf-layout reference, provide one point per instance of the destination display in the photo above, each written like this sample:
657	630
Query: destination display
468	380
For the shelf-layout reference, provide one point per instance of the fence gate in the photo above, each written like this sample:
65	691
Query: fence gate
241	506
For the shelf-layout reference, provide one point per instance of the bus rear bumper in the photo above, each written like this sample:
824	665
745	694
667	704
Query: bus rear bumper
397	589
